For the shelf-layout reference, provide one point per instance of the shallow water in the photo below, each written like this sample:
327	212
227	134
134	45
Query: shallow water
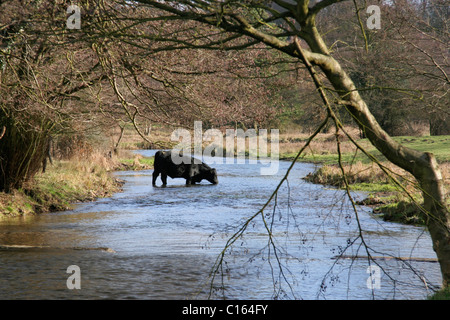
165	242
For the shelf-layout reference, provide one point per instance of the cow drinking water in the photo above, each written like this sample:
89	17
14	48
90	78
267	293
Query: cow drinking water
187	168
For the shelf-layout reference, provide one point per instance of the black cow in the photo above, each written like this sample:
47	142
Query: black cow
187	169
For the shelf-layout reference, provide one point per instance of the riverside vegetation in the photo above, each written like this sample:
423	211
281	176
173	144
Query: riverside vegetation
393	203
82	178
80	175
70	181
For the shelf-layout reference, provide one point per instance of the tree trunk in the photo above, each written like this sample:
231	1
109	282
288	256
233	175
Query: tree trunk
439	126
421	165
23	148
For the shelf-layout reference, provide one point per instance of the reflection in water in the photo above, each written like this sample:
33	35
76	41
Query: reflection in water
165	242
31	274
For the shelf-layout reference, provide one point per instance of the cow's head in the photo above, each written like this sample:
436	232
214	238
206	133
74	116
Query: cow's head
211	176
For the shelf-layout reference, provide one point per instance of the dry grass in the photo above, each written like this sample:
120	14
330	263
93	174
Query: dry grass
445	170
323	148
360	173
131	140
386	197
62	184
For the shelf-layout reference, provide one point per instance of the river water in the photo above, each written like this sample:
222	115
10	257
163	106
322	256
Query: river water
163	243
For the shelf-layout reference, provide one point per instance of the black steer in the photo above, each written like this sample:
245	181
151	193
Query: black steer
187	169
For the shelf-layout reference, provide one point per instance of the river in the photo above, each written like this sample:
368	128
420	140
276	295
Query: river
163	242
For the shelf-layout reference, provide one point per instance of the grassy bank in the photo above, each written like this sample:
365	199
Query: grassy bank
129	161
385	196
323	148
70	181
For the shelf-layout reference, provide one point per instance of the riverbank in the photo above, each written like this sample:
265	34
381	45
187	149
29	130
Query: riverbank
80	180
385	197
390	201
67	182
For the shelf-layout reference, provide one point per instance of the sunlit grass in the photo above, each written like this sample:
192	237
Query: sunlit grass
64	183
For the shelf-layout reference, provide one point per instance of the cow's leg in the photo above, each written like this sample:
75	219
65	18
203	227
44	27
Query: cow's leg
164	178
155	176
189	180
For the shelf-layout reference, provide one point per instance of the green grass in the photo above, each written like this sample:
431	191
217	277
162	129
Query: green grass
438	145
64	183
374	187
405	212
443	294
333	158
136	163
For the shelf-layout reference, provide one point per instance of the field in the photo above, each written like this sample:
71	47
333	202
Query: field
323	147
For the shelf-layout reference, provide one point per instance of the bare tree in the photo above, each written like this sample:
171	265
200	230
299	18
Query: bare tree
252	20
59	81
42	89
